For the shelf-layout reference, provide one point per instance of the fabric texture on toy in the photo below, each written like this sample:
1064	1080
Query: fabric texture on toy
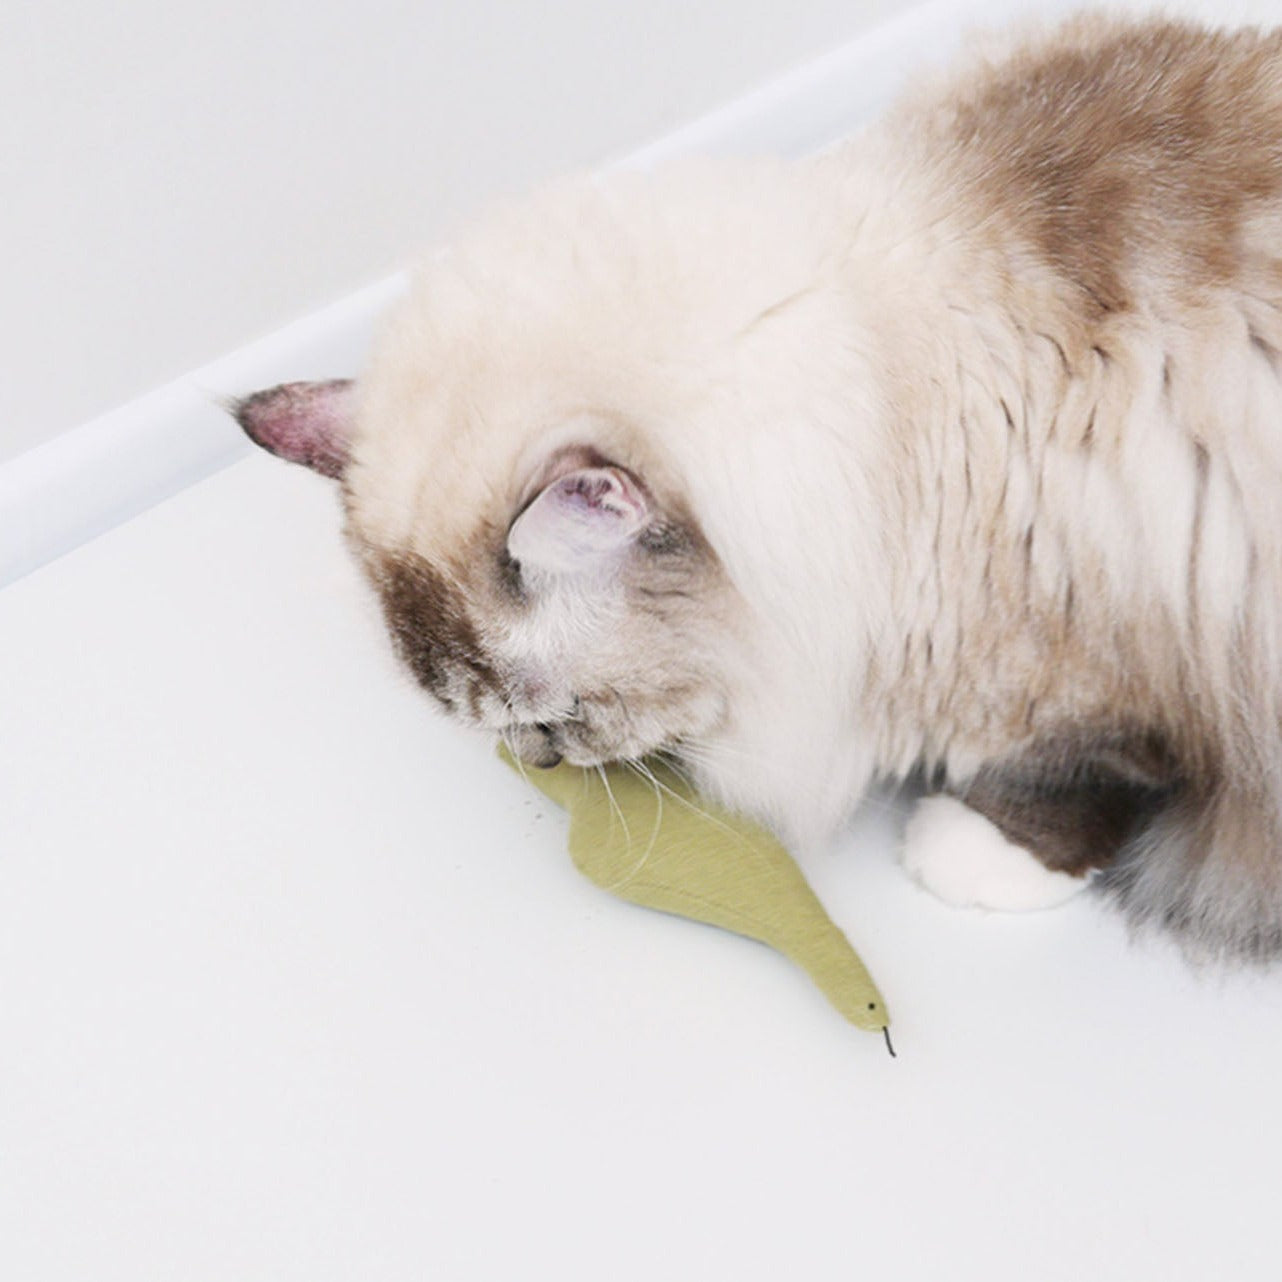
652	841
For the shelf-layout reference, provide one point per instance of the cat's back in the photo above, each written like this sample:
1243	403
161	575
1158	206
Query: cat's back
1121	152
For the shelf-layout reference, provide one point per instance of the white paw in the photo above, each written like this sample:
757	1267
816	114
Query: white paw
964	859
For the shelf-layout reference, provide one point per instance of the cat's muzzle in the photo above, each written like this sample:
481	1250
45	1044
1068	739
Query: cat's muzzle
537	746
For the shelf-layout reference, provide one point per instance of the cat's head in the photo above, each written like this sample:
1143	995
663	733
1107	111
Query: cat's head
543	580
578	466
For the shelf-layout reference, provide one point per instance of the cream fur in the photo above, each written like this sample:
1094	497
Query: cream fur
954	506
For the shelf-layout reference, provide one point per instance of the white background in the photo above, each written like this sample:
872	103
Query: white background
177	179
296	982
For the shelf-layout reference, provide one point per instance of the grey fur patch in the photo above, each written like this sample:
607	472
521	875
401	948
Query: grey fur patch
1206	870
1176	847
1076	800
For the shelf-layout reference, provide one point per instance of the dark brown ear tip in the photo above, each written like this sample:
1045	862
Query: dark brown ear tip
241	408
253	414
251	409
304	422
280	396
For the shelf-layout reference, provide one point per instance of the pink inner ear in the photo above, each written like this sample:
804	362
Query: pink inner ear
579	521
600	490
308	423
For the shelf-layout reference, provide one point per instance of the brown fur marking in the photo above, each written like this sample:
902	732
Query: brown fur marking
1076	804
429	624
1165	140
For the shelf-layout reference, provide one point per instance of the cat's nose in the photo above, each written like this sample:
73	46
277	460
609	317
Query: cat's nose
537	747
551	755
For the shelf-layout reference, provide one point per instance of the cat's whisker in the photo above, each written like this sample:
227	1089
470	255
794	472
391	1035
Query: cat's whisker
1011	518
698	754
640	768
508	743
654	837
677	766
507	734
615	809
625	710
692	750
871	802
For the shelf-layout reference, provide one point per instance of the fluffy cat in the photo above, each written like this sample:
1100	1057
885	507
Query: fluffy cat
953	454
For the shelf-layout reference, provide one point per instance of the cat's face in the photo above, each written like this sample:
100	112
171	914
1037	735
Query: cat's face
538	584
554	465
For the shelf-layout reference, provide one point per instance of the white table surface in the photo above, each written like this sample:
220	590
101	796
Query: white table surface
297	982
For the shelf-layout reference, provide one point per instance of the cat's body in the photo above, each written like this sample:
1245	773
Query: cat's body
950	454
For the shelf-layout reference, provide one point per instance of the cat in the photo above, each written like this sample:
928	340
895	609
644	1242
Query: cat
952	454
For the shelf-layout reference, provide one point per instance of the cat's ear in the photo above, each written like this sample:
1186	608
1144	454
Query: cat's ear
308	423
580	523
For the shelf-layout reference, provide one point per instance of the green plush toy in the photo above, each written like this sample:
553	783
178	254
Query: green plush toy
653	844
